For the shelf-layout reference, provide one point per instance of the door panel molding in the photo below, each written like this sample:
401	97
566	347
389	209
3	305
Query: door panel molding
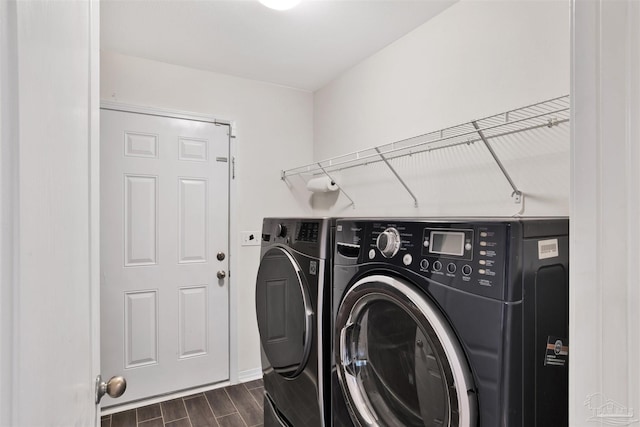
194	322
140	207
141	319
192	229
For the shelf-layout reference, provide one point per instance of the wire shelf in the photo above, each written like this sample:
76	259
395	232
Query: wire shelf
548	113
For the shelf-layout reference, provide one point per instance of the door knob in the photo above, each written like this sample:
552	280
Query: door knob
221	274
115	387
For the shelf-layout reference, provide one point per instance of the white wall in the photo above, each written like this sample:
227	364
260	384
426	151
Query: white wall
475	59
605	213
275	131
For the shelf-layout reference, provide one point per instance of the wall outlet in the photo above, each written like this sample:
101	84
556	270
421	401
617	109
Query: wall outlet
250	238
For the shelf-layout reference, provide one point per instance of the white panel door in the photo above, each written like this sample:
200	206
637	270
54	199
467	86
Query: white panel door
164	218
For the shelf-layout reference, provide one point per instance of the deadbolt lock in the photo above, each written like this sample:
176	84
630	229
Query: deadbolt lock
220	256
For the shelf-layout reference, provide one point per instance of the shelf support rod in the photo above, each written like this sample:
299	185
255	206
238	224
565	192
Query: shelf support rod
517	194
406	187
353	204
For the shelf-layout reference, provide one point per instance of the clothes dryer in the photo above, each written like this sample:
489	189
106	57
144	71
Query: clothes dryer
293	288
460	323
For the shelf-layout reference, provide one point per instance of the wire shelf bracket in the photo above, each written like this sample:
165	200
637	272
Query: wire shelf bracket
517	194
404	184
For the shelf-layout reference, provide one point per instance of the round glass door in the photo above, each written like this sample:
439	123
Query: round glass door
399	363
284	313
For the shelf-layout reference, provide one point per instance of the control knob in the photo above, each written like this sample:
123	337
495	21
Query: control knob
281	230
388	242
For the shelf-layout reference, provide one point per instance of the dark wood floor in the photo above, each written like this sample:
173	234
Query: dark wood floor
233	406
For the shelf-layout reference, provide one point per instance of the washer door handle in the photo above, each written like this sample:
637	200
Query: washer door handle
347	348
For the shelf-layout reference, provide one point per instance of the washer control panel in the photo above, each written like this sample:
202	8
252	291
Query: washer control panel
448	243
468	255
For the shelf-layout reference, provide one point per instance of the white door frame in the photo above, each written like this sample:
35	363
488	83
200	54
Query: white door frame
9	215
94	187
233	249
605	205
19	110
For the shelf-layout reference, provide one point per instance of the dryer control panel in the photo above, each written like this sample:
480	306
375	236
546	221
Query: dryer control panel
468	255
309	236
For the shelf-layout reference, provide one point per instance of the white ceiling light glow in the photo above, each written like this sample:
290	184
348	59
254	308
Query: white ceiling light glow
280	4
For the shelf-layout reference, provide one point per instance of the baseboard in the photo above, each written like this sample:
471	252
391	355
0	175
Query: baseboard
249	375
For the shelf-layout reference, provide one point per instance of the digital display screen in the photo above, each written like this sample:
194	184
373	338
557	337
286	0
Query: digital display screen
447	243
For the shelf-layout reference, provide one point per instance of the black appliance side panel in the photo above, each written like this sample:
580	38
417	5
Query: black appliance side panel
325	317
546	288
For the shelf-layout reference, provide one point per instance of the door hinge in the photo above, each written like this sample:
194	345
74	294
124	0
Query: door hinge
233	167
232	128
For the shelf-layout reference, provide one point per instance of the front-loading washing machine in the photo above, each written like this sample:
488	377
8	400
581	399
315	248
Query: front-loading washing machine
293	289
453	322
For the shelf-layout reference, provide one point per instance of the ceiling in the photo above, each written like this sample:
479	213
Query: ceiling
303	48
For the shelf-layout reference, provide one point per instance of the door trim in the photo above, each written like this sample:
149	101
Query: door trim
9	207
94	191
155	111
233	204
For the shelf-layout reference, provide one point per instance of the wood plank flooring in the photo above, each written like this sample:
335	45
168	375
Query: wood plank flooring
237	405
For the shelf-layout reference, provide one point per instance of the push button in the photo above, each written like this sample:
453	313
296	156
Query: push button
407	259
466	270
437	266
451	268
424	264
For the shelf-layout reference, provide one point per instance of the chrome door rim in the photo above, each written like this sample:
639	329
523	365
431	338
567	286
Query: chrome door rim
380	287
